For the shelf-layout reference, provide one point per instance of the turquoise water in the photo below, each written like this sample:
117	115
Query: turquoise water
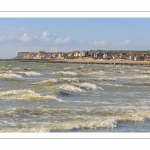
61	97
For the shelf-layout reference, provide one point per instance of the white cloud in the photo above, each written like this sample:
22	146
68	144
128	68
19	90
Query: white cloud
23	28
62	41
45	36
4	38
25	37
35	36
98	43
126	42
81	42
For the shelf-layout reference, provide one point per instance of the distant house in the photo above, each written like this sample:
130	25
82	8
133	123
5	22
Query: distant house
130	56
83	53
69	54
122	55
138	57
91	53
61	54
41	54
98	55
77	53
107	55
115	56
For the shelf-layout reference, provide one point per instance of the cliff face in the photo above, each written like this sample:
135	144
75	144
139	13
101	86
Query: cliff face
26	55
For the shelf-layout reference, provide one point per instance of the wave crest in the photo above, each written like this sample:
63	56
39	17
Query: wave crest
10	76
26	94
69	88
89	86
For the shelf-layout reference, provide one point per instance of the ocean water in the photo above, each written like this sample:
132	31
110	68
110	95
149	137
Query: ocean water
61	97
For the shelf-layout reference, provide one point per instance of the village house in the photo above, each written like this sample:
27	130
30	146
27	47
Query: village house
41	54
69	54
77	53
136	56
61	54
122	55
116	56
90	53
83	53
107	55
98	55
51	54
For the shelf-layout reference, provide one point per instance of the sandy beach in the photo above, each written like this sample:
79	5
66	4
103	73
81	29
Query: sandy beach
104	61
84	61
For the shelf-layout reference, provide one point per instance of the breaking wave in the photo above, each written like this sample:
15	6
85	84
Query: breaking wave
136	77
26	94
10	76
112	84
89	86
30	73
69	88
69	79
47	81
65	73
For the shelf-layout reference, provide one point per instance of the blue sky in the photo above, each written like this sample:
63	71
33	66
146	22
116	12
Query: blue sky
68	34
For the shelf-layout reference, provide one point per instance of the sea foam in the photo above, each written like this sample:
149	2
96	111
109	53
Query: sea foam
89	86
26	94
30	73
69	88
10	76
65	73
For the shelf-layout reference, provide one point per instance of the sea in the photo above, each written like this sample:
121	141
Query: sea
65	97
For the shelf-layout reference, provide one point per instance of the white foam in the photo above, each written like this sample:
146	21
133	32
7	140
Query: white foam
25	94
135	77
111	84
67	68
95	73
89	124
66	73
70	88
10	76
47	81
88	86
70	79
30	73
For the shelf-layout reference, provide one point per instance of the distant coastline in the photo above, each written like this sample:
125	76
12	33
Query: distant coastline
86	57
83	61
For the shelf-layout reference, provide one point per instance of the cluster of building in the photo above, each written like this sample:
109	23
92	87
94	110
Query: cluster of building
97	54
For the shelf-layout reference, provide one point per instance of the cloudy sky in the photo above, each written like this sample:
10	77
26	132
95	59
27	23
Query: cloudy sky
68	34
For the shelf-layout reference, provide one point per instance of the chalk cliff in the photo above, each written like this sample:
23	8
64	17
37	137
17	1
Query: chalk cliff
26	55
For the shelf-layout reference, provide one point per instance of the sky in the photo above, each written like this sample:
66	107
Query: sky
69	34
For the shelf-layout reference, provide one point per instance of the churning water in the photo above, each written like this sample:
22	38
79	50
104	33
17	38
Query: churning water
61	97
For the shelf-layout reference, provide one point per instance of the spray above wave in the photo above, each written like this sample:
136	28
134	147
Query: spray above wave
26	95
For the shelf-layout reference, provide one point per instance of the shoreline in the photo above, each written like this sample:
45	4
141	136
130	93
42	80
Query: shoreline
83	61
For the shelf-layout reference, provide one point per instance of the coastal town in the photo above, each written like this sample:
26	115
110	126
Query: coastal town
84	54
